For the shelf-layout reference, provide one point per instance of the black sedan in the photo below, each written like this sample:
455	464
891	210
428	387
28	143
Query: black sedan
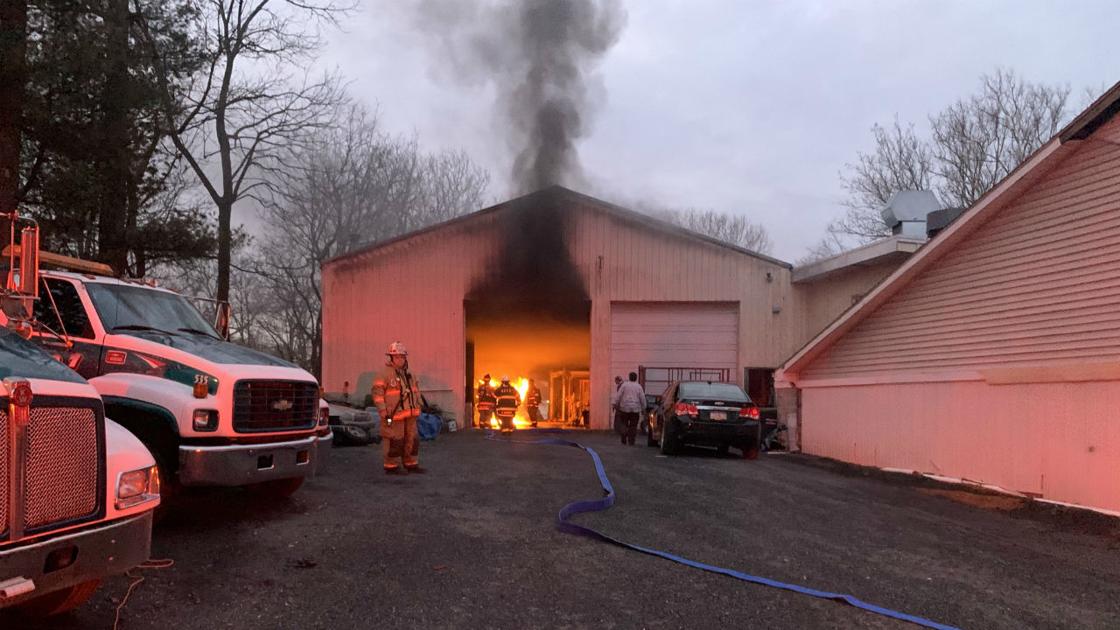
706	413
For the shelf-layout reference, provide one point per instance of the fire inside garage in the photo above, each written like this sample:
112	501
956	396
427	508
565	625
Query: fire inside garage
568	291
528	316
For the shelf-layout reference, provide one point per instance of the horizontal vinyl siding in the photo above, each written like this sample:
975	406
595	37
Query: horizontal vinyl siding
1040	282
1059	441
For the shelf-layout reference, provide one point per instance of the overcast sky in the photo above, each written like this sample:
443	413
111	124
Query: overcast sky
745	107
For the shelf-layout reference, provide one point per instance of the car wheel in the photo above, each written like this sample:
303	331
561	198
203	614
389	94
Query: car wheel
59	602
668	439
751	448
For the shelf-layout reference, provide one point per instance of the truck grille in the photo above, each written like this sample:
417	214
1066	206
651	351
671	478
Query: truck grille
274	406
61	472
63	467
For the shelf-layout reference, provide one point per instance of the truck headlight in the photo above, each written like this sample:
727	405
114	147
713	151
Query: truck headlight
205	420
137	486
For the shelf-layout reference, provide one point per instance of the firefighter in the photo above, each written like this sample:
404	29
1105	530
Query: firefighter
486	402
533	403
508	402
396	393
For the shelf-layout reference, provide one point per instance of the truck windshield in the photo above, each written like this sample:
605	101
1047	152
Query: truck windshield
21	358
140	308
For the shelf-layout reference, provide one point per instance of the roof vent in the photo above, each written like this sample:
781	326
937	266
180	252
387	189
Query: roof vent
906	212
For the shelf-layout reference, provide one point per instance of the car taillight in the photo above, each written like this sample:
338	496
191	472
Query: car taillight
749	412
686	409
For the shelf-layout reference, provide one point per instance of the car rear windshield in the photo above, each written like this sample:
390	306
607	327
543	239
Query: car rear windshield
21	358
726	392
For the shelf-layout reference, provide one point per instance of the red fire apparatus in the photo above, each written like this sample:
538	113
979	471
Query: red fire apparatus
77	490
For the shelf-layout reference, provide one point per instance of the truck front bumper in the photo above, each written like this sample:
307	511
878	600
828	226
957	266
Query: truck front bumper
244	464
107	549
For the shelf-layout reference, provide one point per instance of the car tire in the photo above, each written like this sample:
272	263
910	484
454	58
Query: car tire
278	488
668	439
59	602
752	448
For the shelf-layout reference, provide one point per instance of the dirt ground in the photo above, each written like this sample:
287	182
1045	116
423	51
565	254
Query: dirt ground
473	544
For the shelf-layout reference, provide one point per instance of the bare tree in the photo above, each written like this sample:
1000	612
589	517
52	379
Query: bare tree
346	188
901	161
978	140
253	103
973	144
734	229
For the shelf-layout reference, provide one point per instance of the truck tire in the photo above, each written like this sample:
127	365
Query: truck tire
59	602
169	488
278	488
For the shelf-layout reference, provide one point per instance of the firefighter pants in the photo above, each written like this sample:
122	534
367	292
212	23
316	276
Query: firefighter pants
506	419
534	414
484	416
400	443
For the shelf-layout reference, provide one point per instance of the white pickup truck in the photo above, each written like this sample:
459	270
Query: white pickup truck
77	490
212	412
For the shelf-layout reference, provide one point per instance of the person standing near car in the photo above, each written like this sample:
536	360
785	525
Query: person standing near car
616	418
631	404
396	393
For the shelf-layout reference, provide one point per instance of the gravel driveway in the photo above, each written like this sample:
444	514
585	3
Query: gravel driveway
472	544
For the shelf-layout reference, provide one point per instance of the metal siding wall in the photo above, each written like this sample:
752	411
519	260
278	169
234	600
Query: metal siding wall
412	291
1057	440
640	265
670	334
1038	283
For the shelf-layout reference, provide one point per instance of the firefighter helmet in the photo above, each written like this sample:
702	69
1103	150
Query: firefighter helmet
397	349
505	379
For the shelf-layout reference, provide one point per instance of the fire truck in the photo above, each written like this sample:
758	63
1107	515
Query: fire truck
77	491
213	413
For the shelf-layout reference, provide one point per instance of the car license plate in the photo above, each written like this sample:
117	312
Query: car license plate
718	415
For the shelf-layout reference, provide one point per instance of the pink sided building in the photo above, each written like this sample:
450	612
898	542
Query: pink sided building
571	291
992	354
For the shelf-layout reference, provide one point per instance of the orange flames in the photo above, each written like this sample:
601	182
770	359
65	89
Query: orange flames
521	420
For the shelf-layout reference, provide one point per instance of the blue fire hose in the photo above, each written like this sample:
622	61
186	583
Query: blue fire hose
564	524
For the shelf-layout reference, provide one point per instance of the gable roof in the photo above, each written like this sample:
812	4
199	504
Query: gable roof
553	193
1007	190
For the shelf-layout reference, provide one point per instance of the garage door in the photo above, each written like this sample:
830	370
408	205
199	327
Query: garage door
663	336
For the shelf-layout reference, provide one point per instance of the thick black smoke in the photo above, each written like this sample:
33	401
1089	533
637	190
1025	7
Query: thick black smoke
541	57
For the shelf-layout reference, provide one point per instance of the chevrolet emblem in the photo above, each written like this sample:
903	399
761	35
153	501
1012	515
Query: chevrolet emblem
282	405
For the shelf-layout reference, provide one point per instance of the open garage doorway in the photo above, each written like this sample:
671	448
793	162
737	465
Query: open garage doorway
552	349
